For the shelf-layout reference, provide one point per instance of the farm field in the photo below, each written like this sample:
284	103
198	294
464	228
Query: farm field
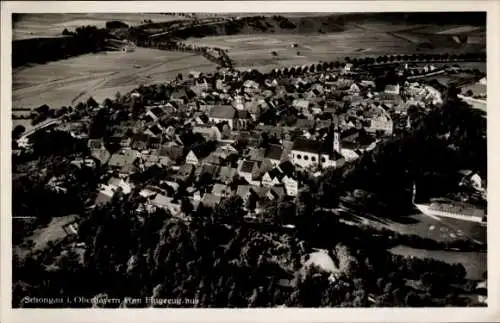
256	51
475	263
52	25
69	81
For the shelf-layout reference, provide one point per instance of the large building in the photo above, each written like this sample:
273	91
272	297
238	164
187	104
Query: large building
312	153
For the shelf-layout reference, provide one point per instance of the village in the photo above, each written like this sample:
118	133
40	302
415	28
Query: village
237	133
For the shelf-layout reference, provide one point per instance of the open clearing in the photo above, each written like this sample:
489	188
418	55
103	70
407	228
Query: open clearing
440	229
69	81
475	263
52	25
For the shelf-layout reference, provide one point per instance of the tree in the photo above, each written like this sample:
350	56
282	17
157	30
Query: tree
252	201
186	206
91	103
18	131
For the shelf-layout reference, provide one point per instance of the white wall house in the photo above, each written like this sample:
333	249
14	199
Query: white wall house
291	186
192	159
268	181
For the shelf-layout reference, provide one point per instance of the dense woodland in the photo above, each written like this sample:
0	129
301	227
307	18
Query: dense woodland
84	40
221	260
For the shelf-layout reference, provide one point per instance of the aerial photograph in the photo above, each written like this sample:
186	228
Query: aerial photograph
249	160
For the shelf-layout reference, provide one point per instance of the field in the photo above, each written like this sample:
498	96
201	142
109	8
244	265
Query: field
256	51
41	237
52	25
438	229
69	81
475	263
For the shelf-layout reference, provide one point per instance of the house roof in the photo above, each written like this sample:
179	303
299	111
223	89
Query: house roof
122	159
222	112
227	172
212	159
206	168
210	200
257	154
102	155
300	103
186	170
274	152
220	189
202	150
306	145
156	130
287	168
243	190
247	166
276	173
157	111
391	88
304	123
161	200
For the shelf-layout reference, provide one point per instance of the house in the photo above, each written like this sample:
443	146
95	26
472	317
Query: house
210	200
140	142
225	151
123	158
287	168
185	171
118	183
199	152
227	174
347	68
155	113
191	158
166	203
221	190
244	191
154	131
212	159
98	151
241	120
274	153
272	177
291	186
392	89
222	113
249	170
211	170
382	122
355	143
154	142
354	89
208	132
300	104
239	102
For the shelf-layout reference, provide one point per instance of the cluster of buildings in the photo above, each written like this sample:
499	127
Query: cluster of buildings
241	133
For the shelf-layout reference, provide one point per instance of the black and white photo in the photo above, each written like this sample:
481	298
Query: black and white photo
249	160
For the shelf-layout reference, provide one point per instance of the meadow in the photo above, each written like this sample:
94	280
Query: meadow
52	25
256	50
101	75
474	262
